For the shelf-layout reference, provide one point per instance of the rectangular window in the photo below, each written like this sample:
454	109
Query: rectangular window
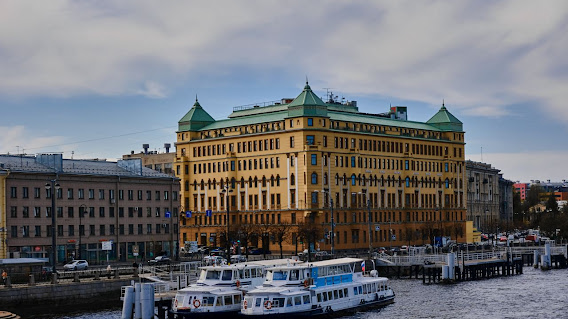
314	159
310	122
37	192
111	229
91	193
148	195
25	192
13	192
101	194
310	139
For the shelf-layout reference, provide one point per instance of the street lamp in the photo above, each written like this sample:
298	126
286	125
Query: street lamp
370	231
226	190
332	237
82	209
53	187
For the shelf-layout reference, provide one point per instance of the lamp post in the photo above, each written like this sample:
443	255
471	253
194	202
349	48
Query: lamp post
227	190
53	187
82	209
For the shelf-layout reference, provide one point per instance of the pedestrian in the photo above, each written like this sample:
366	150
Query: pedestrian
4	276
109	270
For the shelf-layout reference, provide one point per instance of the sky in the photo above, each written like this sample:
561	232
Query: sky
97	79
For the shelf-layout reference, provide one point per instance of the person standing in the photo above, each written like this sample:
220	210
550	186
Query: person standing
4	276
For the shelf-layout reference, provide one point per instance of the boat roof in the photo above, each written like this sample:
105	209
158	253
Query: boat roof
214	290
278	290
275	262
331	262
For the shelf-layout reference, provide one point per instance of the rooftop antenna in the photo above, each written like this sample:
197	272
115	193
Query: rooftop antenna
328	95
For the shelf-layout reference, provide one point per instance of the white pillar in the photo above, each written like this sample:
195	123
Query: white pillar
288	180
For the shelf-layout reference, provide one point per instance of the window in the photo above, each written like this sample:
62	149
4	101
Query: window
314	159
36	192
353	162
310	139
310	122
291	141
314	197
148	195
25	192
101	194
13	192
314	178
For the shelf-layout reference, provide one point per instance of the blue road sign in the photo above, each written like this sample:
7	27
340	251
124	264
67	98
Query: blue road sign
188	214
168	215
208	213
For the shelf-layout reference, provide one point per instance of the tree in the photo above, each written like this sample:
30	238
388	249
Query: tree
281	233
309	231
552	204
428	231
245	232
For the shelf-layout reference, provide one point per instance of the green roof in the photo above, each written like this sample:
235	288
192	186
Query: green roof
446	121
307	104
195	119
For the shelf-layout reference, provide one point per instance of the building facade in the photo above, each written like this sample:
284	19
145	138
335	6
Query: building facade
483	197
506	190
95	201
302	161
161	162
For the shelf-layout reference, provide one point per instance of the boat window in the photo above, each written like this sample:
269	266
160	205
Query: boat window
346	292
335	294
324	296
360	290
330	295
319	297
294	274
289	302
279	275
298	300
258	302
218	301
364	289
247	273
208	301
213	274
228	300
278	302
227	275
241	273
202	275
340	293
306	299
355	291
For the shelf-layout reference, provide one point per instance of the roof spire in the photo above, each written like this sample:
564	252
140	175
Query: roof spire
307	87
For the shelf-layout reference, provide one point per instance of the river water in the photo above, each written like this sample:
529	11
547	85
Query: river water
534	294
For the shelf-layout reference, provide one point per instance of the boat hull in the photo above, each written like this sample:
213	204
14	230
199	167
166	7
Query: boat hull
187	314
328	311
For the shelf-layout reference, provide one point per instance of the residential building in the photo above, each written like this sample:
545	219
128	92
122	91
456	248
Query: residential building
506	201
302	160
95	201
522	189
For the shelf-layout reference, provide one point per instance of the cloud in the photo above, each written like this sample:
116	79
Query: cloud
481	57
14	139
520	166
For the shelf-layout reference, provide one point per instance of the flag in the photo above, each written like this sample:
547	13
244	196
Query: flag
363	265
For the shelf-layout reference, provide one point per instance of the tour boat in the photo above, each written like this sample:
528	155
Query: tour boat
219	289
333	286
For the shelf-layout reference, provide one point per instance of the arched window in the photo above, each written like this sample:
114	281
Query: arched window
272	181
242	182
277	180
292	180
407	180
233	181
336	179
202	185
263	181
447	183
255	181
214	183
353	180
314	178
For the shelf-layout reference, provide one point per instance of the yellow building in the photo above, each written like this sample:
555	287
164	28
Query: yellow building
287	165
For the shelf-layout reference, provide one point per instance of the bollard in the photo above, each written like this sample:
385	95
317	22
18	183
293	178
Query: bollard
76	277
128	303
116	274
54	278
32	280
8	282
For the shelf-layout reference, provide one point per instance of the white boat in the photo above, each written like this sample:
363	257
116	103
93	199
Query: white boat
332	286
219	289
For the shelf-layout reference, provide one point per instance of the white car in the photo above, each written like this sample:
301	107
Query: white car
77	265
214	260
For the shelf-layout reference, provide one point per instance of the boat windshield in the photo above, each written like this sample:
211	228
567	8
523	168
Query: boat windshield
227	274
212	275
279	275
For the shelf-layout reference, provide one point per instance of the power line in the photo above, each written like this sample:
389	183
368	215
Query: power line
100	138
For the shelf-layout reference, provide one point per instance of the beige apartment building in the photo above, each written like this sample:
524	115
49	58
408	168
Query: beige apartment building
364	180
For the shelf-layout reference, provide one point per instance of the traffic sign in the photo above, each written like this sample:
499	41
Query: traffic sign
188	214
377	227
208	213
168	215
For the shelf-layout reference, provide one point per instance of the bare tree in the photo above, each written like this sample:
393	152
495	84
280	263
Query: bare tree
281	232
309	231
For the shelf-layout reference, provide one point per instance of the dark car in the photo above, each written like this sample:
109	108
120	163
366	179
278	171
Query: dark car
260	251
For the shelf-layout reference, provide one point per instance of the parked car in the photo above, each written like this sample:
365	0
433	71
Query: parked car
159	260
77	265
238	259
260	251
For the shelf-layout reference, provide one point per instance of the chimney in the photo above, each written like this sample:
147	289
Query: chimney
146	147
167	147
